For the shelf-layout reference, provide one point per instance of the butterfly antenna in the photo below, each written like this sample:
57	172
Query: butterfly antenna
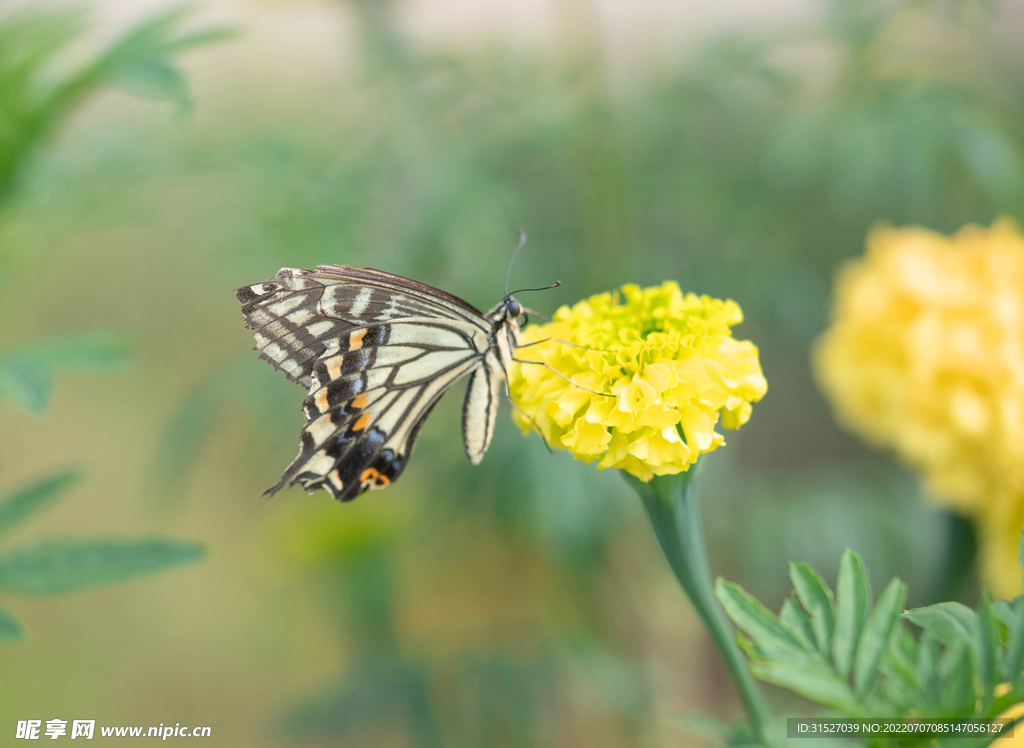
556	284
508	274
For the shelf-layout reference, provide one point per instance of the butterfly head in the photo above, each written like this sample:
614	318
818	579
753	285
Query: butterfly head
507	314
514	310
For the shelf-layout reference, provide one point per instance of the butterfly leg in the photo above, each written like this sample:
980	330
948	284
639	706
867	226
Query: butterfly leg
564	342
527	416
553	370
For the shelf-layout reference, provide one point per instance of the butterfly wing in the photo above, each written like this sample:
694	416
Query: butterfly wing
480	408
297	313
376	350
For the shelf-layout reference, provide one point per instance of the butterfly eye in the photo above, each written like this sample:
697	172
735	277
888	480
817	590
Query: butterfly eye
514	308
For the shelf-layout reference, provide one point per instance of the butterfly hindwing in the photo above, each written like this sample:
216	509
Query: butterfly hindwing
361	428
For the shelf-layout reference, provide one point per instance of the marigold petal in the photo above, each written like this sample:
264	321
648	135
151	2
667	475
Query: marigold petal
658	416
697	427
569	404
587	439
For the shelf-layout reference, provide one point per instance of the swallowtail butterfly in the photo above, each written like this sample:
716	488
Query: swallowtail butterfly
376	351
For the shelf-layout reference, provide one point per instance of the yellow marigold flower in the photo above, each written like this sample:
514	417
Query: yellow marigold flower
668	369
925	357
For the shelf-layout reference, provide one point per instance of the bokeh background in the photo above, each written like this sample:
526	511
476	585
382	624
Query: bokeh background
743	149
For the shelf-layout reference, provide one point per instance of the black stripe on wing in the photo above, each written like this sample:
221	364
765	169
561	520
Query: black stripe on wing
290	333
397	283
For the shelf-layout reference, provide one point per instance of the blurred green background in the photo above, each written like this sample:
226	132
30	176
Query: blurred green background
743	150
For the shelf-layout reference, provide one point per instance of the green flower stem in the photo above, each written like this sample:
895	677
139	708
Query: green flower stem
672	505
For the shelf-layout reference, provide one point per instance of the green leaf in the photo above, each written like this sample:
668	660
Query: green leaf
26	383
10	629
927	671
18	506
900	662
42	85
748	647
815	684
875	638
989	157
768	634
988	650
27	373
67	566
956	678
796	622
141	61
1014	662
817	600
159	37
948	622
153	79
853	599
1003	612
101	349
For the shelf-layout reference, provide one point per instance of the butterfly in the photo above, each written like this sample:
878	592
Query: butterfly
376	351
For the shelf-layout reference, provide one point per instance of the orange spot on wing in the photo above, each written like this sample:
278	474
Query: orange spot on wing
362	423
355	340
334	367
320	399
360	401
372	475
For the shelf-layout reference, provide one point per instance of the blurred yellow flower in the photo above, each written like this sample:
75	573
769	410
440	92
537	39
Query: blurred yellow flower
666	365
999	532
925	357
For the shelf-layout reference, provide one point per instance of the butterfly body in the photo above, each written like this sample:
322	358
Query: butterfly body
376	351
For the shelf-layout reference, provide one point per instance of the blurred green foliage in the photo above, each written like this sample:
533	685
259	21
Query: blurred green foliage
41	89
484	698
37	97
748	167
55	567
27	372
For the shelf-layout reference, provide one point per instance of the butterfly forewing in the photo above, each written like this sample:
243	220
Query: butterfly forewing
376	351
297	313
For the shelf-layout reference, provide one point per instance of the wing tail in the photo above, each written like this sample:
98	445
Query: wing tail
479	410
